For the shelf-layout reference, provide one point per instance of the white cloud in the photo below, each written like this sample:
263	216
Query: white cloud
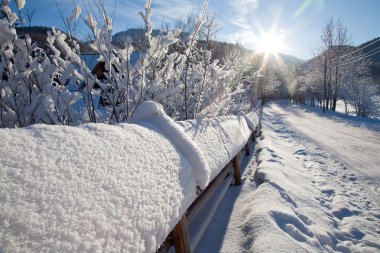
242	9
167	11
247	38
172	10
241	14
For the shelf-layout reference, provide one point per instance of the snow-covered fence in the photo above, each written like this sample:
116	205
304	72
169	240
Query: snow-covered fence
122	187
223	141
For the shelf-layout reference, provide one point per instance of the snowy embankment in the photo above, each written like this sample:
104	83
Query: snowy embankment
307	200
103	188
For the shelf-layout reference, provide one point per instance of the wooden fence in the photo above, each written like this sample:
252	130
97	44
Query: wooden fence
180	237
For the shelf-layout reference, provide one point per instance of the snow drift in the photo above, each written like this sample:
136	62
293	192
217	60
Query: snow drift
104	188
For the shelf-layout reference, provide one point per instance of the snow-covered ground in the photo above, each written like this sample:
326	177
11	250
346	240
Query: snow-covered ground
352	140
315	188
341	108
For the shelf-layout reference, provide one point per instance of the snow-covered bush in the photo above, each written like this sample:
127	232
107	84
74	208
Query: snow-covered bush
179	74
32	85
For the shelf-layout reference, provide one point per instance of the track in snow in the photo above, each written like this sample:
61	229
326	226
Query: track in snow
352	141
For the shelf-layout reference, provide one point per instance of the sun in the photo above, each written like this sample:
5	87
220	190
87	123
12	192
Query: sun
270	43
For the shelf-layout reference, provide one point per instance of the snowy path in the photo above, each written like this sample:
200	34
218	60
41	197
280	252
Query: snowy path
357	147
315	188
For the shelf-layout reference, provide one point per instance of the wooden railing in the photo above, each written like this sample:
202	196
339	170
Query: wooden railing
180	237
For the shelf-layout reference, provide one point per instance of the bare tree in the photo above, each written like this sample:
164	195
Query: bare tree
340	71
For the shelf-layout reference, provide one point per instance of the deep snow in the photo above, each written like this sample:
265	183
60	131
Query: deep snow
219	139
108	188
96	188
302	196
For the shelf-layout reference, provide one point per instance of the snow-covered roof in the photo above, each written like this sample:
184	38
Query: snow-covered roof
90	60
105	188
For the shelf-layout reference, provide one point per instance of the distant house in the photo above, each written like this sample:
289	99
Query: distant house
91	60
97	68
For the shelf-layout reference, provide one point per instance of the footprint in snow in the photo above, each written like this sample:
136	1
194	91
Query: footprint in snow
293	225
325	203
328	192
352	177
301	152
344	212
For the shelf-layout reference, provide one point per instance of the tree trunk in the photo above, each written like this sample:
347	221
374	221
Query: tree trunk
333	107
345	107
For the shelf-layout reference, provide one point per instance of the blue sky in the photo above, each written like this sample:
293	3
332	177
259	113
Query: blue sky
298	21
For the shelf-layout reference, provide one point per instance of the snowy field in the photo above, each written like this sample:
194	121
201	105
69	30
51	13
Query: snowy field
313	188
341	108
351	109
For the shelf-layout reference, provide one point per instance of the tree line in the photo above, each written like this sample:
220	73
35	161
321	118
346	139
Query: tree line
337	72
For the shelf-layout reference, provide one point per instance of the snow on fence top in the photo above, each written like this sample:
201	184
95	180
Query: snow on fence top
152	114
95	188
252	119
104	188
219	139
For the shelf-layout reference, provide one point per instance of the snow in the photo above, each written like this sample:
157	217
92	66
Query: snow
375	111
252	119
94	188
300	195
108	188
341	108
219	139
352	140
151	112
80	191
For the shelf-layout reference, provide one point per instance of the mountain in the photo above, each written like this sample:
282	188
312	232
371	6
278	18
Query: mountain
290	61
38	34
370	48
137	36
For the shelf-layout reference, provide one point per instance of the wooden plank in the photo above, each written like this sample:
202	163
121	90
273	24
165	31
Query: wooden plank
180	232
253	136
236	164
247	149
207	193
168	243
181	237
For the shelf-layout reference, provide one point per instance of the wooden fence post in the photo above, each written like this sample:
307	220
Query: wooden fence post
236	164
253	136
247	149
181	237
